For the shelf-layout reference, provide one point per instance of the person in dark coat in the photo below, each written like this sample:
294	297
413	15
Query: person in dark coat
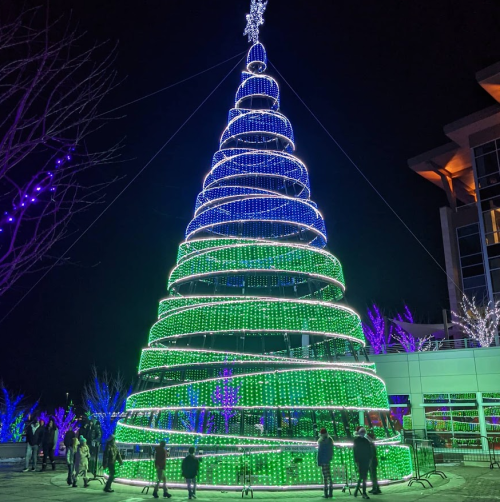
373	466
34	439
160	465
362	456
190	467
325	455
109	459
49	444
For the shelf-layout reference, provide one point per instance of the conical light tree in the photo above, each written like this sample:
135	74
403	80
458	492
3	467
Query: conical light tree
252	352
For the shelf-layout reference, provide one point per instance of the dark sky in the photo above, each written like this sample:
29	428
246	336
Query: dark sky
383	77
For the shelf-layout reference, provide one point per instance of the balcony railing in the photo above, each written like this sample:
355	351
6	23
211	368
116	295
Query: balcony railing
433	345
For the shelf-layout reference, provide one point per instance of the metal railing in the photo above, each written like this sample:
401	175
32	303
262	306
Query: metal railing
433	345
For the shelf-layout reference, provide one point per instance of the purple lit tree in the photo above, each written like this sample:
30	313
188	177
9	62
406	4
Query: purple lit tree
64	420
13	415
104	399
53	85
409	342
378	333
226	396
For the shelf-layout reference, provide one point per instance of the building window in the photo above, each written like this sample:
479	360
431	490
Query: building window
471	261
491	401
452	420
400	411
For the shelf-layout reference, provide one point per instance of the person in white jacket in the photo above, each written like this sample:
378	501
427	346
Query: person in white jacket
82	461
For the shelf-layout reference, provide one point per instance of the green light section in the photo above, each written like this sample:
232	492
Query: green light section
342	388
263	256
274	468
264	315
169	358
169	305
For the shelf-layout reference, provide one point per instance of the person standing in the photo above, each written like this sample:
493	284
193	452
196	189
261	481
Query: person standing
362	456
325	455
49	444
109	459
34	438
70	461
82	461
161	465
373	466
190	467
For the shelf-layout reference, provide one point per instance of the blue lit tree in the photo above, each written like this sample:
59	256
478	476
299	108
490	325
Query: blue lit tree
104	399
13	415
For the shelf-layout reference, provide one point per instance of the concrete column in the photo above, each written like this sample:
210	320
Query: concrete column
482	421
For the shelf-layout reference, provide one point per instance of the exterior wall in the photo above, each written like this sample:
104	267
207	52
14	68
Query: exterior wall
444	371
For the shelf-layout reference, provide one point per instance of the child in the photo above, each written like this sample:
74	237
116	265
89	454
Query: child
83	454
190	466
161	465
70	460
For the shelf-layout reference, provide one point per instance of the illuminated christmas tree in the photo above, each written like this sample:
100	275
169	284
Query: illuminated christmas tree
252	353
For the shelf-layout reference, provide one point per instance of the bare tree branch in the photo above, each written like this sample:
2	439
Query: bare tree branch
51	87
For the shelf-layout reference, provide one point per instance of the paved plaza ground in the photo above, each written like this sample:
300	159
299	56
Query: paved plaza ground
464	484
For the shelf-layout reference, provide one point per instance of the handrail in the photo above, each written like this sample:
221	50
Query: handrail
430	346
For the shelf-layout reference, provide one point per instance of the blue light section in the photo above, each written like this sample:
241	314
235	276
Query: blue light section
232	218
245	125
257	188
232	166
258	86
257	54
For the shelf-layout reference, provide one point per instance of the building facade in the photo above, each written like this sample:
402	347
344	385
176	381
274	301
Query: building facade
467	168
452	395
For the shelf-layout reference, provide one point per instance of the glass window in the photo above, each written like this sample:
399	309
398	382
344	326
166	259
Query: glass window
473	259
491	221
453	426
468	230
486	148
469	245
493	203
487	164
495	280
494	263
474	282
489	180
473	271
480	294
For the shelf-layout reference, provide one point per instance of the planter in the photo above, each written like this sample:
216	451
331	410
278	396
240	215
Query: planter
12	450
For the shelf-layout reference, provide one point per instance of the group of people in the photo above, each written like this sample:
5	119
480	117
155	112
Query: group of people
190	467
38	435
365	458
79	446
78	455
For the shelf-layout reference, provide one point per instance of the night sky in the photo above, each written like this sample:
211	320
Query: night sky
383	77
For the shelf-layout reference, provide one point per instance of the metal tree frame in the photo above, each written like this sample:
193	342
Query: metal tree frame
252	353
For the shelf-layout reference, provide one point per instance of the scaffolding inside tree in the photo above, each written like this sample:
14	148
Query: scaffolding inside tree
226	368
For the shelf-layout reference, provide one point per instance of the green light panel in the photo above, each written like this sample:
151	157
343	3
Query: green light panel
262	316
315	388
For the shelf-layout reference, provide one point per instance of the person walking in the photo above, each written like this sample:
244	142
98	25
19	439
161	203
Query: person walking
82	461
325	455
70	461
161	465
373	466
50	438
362	456
190	467
109	459
34	438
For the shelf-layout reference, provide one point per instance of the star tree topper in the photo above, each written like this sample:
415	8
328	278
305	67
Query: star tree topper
255	19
